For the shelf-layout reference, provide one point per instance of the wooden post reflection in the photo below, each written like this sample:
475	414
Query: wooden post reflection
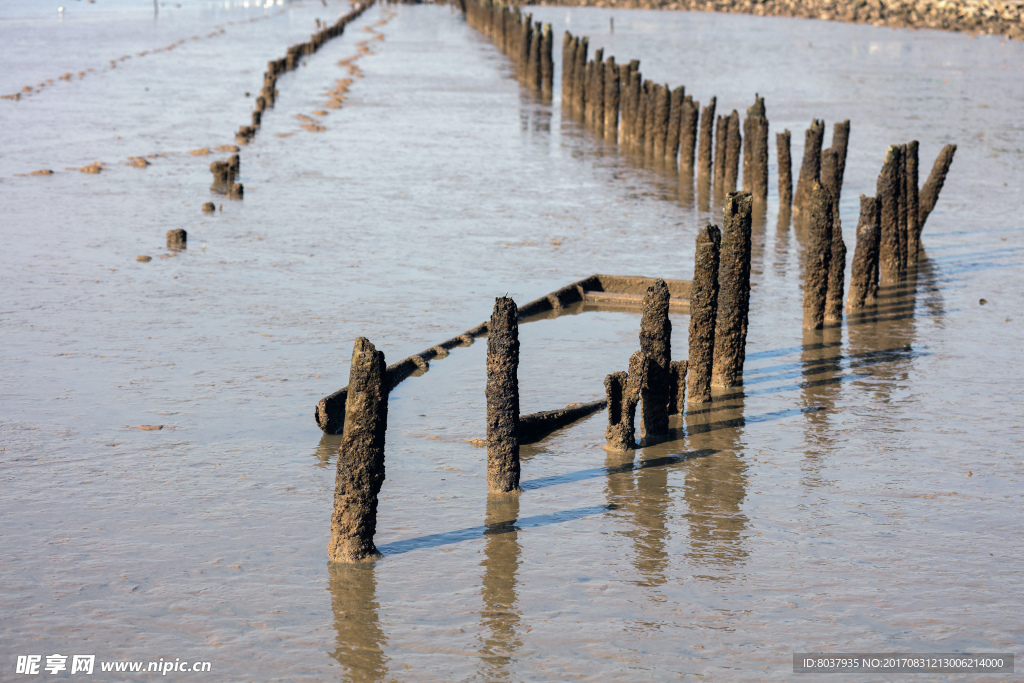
360	641
500	613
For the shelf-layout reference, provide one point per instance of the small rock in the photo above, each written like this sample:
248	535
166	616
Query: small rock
982	302
42	171
150	428
177	239
137	162
209	207
144	258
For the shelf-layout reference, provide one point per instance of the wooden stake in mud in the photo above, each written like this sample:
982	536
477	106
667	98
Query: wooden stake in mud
612	74
623	392
785	171
656	344
755	151
810	169
829	170
864	271
721	135
707	122
910	174
677	387
595	94
889	265
662	112
579	74
703	311
733	145
840	143
503	397
836	271
901	205
933	186
547	66
688	133
819	250
568	60
650	117
675	112
733	292
360	471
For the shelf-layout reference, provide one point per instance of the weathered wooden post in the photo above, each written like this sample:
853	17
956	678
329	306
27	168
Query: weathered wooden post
810	169
656	344
721	135
733	145
836	271
703	311
889	264
662	111
733	292
177	239
901	205
819	249
864	271
360	471
547	66
688	134
623	391
785	171
503	397
840	143
913	201
675	113
568	61
707	123
755	151
933	186
579	75
677	387
612	73
595	94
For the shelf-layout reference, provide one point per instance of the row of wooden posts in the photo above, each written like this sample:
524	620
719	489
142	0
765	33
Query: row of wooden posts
719	307
526	42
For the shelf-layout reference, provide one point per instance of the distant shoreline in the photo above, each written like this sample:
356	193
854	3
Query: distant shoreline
989	17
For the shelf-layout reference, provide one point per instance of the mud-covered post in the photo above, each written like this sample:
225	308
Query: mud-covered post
755	151
910	162
568	59
662	113
595	94
675	112
656	344
901	205
889	266
547	66
707	125
819	250
503	397
733	292
836	271
611	99
623	390
864	271
360	471
688	133
785	171
718	173
677	387
933	186
733	145
840	143
703	311
579	75
810	169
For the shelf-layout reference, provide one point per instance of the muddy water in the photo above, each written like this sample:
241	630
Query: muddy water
862	493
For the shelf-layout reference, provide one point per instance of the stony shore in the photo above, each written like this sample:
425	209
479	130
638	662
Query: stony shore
998	17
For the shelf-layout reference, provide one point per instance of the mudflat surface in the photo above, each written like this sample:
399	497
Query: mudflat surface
862	493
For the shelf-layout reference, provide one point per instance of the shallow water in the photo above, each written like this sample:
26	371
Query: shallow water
862	493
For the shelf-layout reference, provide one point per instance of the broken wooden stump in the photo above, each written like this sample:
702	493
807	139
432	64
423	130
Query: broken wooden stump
785	171
733	293
933	186
703	311
864	270
656	344
360	470
819	250
810	169
890	266
503	398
